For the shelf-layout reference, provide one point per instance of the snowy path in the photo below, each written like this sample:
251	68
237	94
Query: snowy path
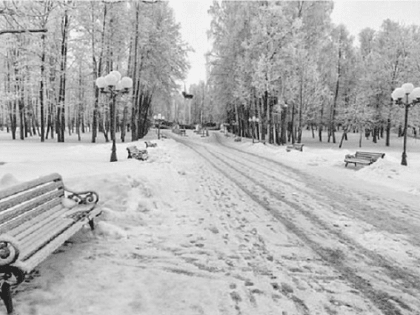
206	228
330	220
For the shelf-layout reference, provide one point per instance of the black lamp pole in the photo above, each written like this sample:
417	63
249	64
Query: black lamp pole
404	154
113	85
406	96
113	126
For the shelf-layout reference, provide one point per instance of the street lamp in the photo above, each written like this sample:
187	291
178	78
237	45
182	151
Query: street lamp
406	96
253	120
114	85
159	118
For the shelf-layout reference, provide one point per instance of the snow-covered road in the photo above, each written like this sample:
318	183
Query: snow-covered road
334	227
206	227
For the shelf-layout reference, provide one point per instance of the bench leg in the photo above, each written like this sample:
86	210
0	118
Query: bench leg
91	224
7	297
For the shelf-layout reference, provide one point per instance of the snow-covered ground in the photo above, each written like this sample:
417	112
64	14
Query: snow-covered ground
177	237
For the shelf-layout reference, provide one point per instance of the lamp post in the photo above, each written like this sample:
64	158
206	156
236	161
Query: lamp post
159	118
406	96
188	97
253	120
113	85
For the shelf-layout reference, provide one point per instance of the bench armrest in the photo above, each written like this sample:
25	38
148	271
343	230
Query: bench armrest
85	197
9	250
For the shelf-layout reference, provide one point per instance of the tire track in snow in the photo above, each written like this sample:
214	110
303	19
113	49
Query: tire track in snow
388	304
373	217
254	260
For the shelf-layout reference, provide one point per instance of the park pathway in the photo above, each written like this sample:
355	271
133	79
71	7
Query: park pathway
338	237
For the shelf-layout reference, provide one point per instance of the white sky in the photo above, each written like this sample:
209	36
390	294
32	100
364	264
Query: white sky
356	15
194	22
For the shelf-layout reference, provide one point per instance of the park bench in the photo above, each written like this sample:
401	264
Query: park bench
365	158
150	144
294	146
176	130
237	139
36	218
134	152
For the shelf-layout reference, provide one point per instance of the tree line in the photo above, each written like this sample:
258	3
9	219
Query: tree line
286	63
53	51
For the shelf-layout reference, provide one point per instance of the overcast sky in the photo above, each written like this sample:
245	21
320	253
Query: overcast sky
356	15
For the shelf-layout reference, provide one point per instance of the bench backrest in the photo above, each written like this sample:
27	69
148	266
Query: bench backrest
24	201
134	150
369	155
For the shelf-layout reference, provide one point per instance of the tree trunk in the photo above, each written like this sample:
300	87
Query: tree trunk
292	121
237	119
135	105
388	129
97	68
334	104
343	137
41	88
61	120
19	99
124	123
375	134
283	123
299	133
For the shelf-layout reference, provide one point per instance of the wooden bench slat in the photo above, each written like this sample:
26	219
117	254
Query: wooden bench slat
37	222
33	242
22	221
44	252
27	206
361	161
35	239
28	185
47	225
16	199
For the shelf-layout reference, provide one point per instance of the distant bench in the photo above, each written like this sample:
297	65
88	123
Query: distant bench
181	132
365	158
150	144
36	218
134	152
294	146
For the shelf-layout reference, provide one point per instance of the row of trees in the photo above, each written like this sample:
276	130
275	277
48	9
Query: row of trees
53	51
286	63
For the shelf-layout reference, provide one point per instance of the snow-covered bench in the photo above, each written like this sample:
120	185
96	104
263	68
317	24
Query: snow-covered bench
365	158
36	218
150	144
179	131
294	146
134	152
